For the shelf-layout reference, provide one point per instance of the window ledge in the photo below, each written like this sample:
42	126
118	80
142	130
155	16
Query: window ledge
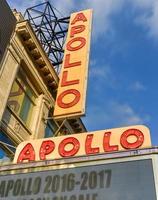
21	123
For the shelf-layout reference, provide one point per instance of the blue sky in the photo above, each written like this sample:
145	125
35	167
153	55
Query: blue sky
123	70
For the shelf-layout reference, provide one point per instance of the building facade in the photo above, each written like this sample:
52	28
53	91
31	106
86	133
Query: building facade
28	86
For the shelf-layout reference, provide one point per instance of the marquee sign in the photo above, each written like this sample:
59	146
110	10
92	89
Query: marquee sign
73	78
82	181
91	143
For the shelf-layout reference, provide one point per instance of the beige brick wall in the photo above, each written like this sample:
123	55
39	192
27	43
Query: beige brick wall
7	76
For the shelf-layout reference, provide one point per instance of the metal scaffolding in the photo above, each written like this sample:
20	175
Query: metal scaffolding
51	29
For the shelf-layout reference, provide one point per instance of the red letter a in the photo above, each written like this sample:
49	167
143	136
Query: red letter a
27	153
79	17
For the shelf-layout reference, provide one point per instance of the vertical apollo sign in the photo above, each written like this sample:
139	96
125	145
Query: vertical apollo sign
71	93
7	25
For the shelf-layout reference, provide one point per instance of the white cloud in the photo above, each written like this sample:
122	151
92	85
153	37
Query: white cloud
102	9
125	114
148	15
102	75
112	114
21	6
100	72
137	86
142	3
64	7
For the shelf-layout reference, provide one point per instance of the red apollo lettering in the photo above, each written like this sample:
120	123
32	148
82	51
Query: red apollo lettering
76	44
77	29
88	145
106	143
68	64
79	17
69	141
27	154
65	82
132	132
73	101
47	147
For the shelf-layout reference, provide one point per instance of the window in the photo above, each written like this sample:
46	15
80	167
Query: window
6	144
51	128
22	98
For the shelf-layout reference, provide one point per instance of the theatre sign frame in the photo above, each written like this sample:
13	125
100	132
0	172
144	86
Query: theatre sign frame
113	163
91	143
71	94
131	173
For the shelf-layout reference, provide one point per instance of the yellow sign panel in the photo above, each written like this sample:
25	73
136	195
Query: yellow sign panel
73	78
92	143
